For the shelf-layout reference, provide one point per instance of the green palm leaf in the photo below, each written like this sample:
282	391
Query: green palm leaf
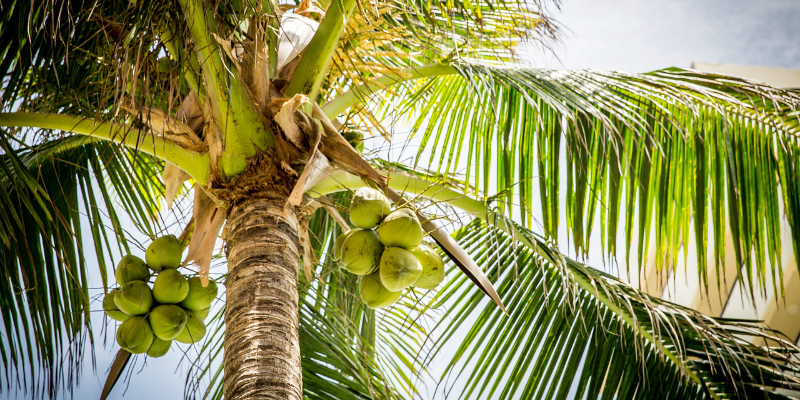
62	56
59	198
63	195
664	154
575	332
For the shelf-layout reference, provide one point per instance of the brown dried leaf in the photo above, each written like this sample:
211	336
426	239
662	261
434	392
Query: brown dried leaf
186	235
190	113
334	213
120	361
227	48
173	178
255	66
341	154
158	121
166	126
309	259
213	137
285	118
316	170
208	221
320	170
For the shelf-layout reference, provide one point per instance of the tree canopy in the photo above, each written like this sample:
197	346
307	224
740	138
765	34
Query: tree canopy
93	91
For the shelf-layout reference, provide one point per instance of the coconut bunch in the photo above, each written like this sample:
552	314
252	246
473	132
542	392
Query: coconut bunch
153	314
386	249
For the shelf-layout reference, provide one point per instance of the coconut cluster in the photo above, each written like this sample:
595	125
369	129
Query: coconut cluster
386	249
152	315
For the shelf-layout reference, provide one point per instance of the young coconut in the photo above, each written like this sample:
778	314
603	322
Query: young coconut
355	138
135	335
401	228
374	294
111	308
368	207
170	287
159	347
164	253
338	245
202	314
199	297
194	330
131	268
167	321
399	268
361	253
134	298
432	267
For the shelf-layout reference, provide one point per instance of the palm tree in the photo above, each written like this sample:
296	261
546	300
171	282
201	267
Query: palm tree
248	101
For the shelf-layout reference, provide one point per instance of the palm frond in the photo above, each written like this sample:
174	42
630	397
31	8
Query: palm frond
83	57
669	152
575	332
386	36
60	200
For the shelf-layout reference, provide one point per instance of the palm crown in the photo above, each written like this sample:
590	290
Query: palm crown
121	91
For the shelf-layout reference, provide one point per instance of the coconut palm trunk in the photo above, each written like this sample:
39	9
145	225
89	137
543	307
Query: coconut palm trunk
262	348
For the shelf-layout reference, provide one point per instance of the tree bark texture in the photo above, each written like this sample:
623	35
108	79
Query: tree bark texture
262	347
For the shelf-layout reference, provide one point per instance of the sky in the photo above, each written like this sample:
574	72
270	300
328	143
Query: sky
628	35
642	35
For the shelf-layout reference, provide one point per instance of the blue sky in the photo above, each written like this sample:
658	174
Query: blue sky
629	35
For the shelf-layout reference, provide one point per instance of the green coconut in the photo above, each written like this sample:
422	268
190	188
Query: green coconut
361	252
432	267
159	347
167	321
111	308
199	297
194	330
131	268
401	228
368	208
338	245
202	314
170	287
355	138
134	298
135	335
374	294
399	268
164	253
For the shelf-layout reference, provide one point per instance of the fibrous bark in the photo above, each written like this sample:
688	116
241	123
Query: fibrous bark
262	348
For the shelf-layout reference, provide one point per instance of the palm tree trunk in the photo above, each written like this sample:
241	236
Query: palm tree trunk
262	347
